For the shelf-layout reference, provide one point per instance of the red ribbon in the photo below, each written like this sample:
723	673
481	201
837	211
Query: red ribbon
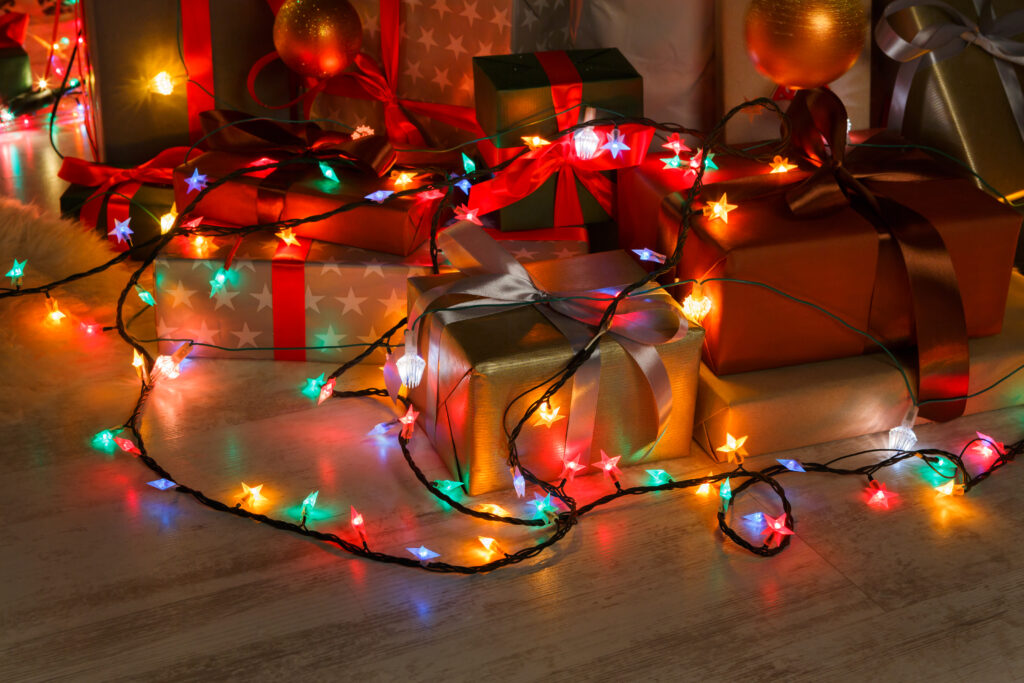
371	81
118	185
526	174
288	291
196	43
13	29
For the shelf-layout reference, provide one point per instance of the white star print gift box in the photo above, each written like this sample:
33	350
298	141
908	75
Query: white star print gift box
316	301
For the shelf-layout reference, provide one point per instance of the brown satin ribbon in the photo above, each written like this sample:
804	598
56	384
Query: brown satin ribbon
818	120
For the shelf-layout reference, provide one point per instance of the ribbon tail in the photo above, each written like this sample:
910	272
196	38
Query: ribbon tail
568	211
653	368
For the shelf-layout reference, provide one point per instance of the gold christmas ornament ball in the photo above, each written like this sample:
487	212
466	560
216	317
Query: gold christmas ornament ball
805	43
317	38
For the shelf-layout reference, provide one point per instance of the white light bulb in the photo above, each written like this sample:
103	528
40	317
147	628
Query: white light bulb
410	369
586	143
903	438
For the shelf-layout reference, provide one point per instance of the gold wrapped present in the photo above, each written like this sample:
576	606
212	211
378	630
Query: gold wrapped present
802	405
517	328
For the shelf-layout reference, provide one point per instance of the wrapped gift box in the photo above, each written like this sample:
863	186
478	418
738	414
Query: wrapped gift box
739	80
147	204
482	364
318	294
837	261
802	405
957	97
131	42
15	70
436	44
300	190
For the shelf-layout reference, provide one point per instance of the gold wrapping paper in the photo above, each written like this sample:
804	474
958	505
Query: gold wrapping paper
486	362
959	105
798	406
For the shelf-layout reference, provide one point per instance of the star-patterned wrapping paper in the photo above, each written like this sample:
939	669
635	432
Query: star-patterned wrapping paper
351	296
439	39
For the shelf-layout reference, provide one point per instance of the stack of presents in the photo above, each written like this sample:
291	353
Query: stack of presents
813	311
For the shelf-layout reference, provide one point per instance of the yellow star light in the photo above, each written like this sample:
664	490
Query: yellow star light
403	178
535	141
705	488
781	165
55	315
288	237
733	448
720	209
251	494
167	221
546	416
951	488
494	509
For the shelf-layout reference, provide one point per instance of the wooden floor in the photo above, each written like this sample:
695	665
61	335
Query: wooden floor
105	578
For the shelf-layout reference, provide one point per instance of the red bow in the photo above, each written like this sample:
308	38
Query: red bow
13	29
527	173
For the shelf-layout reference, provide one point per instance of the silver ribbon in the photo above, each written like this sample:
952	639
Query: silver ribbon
493	276
947	39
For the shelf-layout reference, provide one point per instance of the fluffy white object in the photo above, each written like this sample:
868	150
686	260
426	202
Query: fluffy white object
36	358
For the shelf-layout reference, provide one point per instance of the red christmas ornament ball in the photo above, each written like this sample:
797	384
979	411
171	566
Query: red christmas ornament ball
317	38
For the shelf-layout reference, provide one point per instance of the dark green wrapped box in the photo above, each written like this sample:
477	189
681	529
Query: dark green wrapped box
149	201
512	90
15	73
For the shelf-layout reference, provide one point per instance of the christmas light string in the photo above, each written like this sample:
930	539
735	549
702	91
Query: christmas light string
562	521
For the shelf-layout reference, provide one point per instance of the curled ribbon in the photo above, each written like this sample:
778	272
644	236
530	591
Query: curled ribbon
527	173
947	39
493	276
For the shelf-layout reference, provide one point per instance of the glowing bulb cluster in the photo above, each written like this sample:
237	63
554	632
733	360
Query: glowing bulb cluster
696	305
162	84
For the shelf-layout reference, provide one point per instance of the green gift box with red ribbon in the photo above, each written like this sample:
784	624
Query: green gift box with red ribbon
539	95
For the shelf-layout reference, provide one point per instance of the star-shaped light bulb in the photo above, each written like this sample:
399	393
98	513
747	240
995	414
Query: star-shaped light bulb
196	182
217	283
423	553
313	384
464	185
791	465
490	545
951	488
356	520
775	527
616	144
696	305
252	495
403	178
674	163
139	363
127	445
570	468
42	84
17	271
468	165
585	142
609	466
122	231
518	482
201	244
447	485
709	163
162	484
328	172
646	254
878	495
55	315
493	509
464	213
535	142
145	296
705	488
719	210
309	502
429	195
408	422
733	448
326	391
379	196
104	441
362	132
543	506
410	369
547	416
987	447
287	237
167	221
725	494
6	115
659	477
675	144
781	164
162	84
